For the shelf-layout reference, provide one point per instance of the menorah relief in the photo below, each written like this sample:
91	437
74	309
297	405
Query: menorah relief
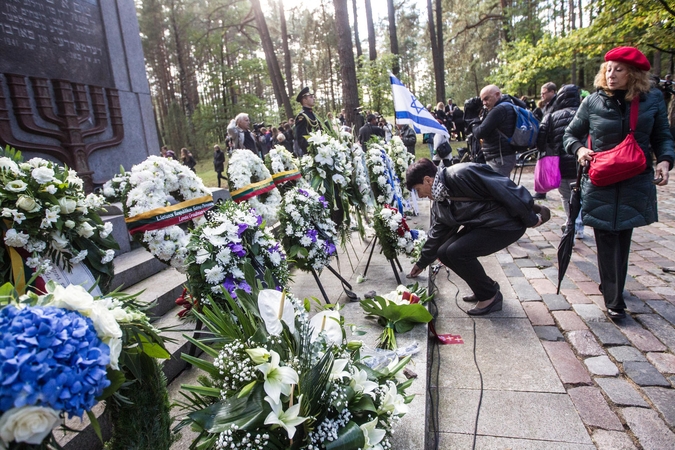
78	113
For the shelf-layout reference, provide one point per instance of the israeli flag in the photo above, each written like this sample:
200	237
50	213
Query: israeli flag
410	111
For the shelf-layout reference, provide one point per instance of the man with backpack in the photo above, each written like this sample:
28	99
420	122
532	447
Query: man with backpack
498	132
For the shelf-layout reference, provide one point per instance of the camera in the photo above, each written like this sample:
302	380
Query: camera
258	126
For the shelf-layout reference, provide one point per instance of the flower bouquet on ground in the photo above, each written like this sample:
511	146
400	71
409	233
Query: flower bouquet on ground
232	239
329	169
49	224
279	380
395	236
283	166
249	180
307	231
61	353
398	312
146	192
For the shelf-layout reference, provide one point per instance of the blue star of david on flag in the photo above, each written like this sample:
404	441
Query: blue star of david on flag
409	110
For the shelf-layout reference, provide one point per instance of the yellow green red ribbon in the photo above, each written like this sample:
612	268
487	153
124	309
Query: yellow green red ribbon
253	190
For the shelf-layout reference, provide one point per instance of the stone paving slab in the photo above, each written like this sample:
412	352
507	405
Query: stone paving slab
612	440
454	441
584	343
569	368
556	302
664	308
664	401
644	374
621	392
607	333
664	362
549	333
538	313
593	408
625	353
499	417
569	321
649	429
508	352
660	327
601	365
642	339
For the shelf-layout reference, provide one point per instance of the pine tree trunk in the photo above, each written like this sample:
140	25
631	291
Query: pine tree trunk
350	94
436	56
393	40
272	62
359	50
372	50
440	76
573	68
287	53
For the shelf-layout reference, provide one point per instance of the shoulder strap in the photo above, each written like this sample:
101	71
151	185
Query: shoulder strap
634	107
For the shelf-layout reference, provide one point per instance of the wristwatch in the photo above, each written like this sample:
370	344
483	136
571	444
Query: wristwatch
540	219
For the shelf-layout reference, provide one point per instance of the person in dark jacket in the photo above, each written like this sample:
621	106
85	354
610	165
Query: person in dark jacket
408	136
548	97
550	142
614	210
306	121
499	123
218	162
492	212
370	129
187	159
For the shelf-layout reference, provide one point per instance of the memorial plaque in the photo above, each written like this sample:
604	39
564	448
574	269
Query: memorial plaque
55	39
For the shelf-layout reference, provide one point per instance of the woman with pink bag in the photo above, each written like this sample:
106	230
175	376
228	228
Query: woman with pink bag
614	209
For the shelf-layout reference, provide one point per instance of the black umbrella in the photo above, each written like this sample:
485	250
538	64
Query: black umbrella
567	239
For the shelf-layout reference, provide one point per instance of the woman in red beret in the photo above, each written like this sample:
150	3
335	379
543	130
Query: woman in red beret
614	210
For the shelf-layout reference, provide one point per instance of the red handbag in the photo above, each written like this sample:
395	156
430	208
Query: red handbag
623	161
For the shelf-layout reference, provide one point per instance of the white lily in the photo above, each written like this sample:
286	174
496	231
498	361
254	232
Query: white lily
360	382
258	355
274	308
392	402
373	436
337	372
329	322
278	380
288	419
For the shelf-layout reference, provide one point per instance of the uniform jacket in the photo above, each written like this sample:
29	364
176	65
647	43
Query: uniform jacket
630	203
552	128
305	123
497	203
501	118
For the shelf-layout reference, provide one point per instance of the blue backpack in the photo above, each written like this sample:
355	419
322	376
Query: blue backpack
527	128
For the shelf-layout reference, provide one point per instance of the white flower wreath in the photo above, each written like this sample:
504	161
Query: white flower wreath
307	231
245	170
395	236
151	185
361	180
280	160
383	177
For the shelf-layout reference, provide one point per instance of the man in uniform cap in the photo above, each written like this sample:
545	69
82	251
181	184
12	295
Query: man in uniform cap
305	122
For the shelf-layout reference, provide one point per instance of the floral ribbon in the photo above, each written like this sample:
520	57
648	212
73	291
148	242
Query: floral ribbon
391	176
253	190
288	175
159	218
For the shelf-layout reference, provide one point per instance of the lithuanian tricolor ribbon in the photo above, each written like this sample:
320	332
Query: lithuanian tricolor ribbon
282	177
159	218
253	190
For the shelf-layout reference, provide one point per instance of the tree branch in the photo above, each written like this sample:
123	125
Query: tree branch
480	22
662	50
667	7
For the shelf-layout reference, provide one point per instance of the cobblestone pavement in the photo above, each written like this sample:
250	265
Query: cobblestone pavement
620	376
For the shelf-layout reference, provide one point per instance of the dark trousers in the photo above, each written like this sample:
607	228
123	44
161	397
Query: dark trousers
460	253
220	177
613	248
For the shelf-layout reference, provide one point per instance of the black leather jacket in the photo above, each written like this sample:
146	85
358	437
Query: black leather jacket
496	202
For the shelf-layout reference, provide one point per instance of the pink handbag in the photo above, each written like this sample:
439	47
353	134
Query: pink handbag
547	174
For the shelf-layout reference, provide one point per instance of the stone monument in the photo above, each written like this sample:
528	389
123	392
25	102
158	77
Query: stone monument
73	86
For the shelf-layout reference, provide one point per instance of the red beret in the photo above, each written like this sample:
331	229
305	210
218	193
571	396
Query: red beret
629	55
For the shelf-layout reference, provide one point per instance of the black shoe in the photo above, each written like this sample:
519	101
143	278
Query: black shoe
616	314
472	298
496	305
539	196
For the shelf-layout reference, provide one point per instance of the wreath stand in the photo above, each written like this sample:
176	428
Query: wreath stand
345	284
391	261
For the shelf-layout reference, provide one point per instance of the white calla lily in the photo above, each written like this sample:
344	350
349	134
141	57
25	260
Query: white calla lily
328	322
392	402
372	435
274	308
288	419
278	379
258	355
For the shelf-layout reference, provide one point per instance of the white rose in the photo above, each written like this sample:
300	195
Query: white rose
115	345
6	163
16	186
85	230
59	241
69	224
14	239
73	297
67	205
43	175
27	203
51	189
107	229
104	322
29	424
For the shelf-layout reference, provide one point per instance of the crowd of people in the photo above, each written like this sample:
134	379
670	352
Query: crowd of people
478	209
